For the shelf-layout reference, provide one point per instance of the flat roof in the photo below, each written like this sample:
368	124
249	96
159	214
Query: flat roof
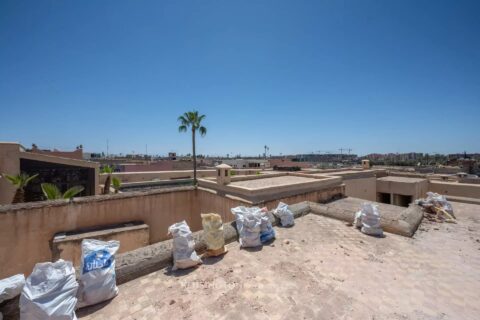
60	160
401	179
320	269
271	182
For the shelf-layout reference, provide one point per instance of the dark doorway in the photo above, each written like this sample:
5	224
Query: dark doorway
401	200
383	197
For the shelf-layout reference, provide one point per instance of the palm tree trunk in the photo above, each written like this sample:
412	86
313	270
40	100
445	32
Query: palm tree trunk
106	188
19	196
194	158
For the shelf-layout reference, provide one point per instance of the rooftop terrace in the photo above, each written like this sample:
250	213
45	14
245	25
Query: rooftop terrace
321	268
271	182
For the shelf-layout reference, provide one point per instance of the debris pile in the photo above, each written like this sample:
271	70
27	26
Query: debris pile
97	273
436	208
184	255
368	220
253	225
213	234
284	214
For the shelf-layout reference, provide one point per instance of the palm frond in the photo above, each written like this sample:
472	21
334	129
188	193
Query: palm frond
183	120
72	192
15	180
182	128
116	183
20	180
51	191
192	119
107	169
27	180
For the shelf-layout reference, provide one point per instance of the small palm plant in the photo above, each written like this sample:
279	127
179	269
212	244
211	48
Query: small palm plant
20	181
52	192
116	184
108	181
193	121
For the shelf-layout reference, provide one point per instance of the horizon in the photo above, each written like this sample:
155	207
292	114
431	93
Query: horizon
302	77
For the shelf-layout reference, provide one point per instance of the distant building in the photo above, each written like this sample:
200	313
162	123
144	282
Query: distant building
247	163
287	163
77	154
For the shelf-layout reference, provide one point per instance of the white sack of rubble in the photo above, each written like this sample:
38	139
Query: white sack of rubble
184	255
284	214
249	221
11	287
368	218
50	292
97	272
213	233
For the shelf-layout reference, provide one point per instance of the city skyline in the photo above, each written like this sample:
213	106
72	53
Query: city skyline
300	77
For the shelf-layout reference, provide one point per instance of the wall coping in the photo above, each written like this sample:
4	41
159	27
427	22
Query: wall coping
4	209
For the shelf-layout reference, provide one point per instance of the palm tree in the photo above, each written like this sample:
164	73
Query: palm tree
20	181
52	192
109	170
193	121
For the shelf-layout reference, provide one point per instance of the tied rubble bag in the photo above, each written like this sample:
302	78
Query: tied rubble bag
368	219
97	272
213	234
184	255
285	215
50	292
249	221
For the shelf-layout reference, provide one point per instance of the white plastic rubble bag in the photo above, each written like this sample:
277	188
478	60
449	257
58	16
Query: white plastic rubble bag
213	234
184	255
439	200
368	218
267	232
285	215
11	287
97	272
50	292
248	222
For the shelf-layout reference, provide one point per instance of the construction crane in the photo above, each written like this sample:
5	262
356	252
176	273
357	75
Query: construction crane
345	149
266	149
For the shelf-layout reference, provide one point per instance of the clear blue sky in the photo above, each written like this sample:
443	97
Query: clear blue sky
299	76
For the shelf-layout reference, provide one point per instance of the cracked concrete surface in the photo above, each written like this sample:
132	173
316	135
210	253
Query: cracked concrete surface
320	269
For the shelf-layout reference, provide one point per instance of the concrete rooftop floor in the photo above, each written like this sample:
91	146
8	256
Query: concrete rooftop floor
271	182
321	269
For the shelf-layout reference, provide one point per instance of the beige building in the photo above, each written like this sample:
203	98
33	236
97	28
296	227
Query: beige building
63	172
400	191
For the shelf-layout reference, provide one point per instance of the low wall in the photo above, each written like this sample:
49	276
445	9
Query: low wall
363	188
157	175
466	190
169	175
27	230
131	237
